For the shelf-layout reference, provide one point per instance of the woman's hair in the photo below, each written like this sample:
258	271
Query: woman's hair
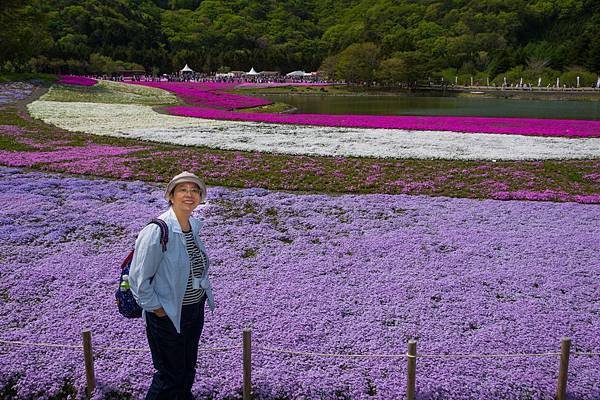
171	194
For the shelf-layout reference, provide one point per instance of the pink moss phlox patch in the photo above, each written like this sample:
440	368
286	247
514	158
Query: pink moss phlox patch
87	153
509	126
76	80
208	100
12	130
208	94
112	166
279	84
17	132
592	177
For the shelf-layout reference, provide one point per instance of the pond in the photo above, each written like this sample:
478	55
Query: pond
452	106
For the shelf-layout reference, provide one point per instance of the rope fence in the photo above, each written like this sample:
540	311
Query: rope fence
131	349
411	356
304	353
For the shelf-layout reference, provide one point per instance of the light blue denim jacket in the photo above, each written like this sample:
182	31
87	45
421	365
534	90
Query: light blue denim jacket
157	278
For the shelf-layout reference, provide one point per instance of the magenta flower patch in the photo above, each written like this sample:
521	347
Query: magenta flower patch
209	100
88	154
77	80
208	94
511	126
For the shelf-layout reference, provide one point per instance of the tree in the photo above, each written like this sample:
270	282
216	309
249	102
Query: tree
101	65
415	66
357	63
340	36
473	36
569	78
23	34
328	67
393	71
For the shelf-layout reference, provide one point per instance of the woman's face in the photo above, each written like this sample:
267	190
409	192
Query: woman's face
185	197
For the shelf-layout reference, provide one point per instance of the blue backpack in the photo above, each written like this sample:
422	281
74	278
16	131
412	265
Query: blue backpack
126	303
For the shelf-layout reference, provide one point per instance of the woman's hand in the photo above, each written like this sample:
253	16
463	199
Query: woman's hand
160	312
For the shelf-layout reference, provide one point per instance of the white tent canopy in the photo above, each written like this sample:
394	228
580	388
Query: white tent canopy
297	73
186	69
252	72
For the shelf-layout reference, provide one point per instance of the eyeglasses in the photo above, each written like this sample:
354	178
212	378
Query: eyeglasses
188	191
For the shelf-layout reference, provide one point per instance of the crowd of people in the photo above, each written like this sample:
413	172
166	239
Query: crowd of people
316	78
237	77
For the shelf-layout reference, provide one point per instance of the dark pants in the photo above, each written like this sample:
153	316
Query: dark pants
174	355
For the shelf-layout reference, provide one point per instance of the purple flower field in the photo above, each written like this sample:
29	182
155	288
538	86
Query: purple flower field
310	273
12	92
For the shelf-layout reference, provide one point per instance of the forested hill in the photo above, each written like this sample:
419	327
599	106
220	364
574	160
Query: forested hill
395	40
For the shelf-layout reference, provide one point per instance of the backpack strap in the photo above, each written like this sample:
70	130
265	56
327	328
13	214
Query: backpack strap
127	260
164	232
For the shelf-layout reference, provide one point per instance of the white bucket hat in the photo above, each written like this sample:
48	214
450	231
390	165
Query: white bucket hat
186	177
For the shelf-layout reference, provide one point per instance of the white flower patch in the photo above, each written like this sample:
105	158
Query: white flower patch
379	143
136	121
104	119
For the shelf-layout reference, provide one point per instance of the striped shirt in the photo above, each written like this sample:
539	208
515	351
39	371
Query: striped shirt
198	261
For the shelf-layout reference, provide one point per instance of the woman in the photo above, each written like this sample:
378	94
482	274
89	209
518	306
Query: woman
172	288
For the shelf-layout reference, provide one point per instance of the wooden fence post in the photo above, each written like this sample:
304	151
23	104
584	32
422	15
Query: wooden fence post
412	369
247	360
88	356
565	349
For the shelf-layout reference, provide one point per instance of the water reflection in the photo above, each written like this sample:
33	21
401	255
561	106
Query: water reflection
452	106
